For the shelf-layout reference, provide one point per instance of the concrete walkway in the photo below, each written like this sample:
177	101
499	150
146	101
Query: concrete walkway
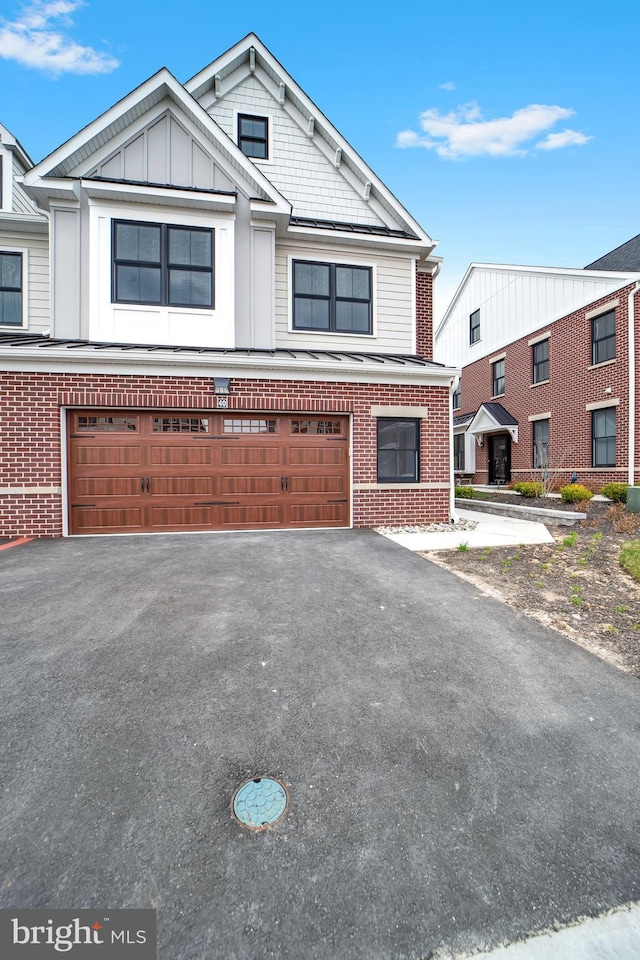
613	937
491	531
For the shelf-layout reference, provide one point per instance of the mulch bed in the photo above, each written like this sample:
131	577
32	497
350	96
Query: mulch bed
576	585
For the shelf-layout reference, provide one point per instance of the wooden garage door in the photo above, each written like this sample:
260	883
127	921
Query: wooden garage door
134	472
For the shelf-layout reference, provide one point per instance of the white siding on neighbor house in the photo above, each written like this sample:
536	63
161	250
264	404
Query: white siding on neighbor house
393	300
513	303
296	167
37	277
164	153
21	202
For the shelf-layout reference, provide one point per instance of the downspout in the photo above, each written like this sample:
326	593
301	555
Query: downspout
452	480
632	383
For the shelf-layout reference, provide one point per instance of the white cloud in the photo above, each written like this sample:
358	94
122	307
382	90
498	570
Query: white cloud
447	86
465	133
35	40
567	138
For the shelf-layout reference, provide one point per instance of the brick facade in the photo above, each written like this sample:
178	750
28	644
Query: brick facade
424	315
31	499
573	384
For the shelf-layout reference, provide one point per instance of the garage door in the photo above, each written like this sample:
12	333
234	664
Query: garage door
134	472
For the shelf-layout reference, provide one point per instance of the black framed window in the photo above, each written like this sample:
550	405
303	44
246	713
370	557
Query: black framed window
331	297
497	377
603	337
253	136
398	451
458	451
11	289
540	436
603	434
457	397
474	327
1	180
540	359
162	264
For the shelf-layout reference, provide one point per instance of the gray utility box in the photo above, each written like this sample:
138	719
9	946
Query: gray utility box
633	499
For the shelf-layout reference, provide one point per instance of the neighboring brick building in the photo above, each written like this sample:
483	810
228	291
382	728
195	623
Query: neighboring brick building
549	360
223	321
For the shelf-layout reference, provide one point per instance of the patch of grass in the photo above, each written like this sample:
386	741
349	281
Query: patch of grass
635	625
630	558
576	601
545	566
485	553
463	547
570	541
505	564
538	583
623	608
611	629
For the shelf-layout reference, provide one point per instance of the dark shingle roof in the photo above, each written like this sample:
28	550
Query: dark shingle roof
464	419
624	257
500	415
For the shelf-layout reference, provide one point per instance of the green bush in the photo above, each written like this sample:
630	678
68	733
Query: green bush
528	488
615	491
465	493
575	493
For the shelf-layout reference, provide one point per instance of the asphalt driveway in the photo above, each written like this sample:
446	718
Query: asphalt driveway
458	775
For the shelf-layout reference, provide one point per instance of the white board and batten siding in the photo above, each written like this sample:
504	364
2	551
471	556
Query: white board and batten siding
296	166
514	302
393	279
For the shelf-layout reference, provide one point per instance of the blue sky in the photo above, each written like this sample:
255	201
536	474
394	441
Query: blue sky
510	131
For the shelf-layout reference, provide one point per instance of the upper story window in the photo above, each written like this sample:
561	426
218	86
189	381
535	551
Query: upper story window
540	358
457	397
540	436
162	264
1	183
332	297
603	337
398	451
497	375
253	136
10	289
603	437
474	327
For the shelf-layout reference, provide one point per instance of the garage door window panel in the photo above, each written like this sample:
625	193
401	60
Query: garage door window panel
398	451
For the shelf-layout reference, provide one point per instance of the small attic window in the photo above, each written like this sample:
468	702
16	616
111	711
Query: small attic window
253	136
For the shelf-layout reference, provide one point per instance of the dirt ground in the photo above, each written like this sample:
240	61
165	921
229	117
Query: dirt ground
576	585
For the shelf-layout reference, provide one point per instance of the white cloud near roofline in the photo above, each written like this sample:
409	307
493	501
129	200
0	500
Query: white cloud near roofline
465	132
38	38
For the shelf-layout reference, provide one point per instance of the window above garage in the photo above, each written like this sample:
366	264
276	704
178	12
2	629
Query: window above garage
332	297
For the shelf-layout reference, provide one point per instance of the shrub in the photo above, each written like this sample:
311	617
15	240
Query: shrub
465	493
575	493
528	488
615	491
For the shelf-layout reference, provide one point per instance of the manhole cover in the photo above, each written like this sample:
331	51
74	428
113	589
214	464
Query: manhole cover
259	803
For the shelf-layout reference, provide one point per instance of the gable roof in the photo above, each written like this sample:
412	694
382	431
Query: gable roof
250	53
8	140
490	417
67	160
624	257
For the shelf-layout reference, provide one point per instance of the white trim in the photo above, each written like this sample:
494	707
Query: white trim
64	464
603	404
539	416
258	116
24	252
538	339
7	180
498	356
339	259
590	314
414	305
605	363
19	491
416	413
402	486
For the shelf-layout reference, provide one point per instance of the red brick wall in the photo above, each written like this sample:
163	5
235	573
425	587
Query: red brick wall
571	386
424	315
30	418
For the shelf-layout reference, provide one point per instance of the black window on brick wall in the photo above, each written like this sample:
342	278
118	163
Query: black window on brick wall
603	337
458	451
457	397
540	430
603	437
162	264
398	451
497	377
540	357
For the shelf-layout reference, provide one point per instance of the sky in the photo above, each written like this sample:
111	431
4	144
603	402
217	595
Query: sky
509	130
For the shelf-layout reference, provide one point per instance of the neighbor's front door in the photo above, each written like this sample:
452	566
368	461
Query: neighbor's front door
500	458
